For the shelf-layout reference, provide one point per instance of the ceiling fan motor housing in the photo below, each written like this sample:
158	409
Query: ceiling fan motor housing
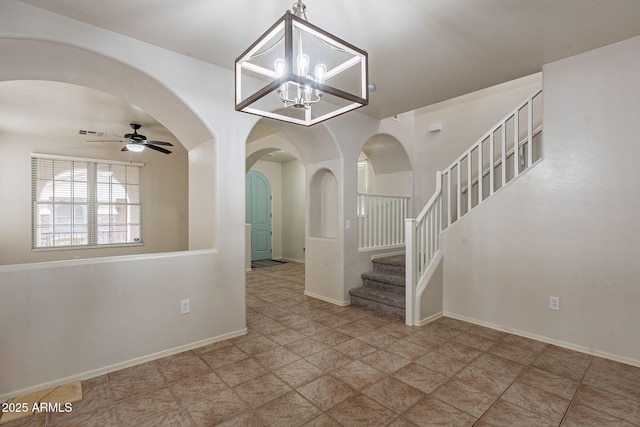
135	135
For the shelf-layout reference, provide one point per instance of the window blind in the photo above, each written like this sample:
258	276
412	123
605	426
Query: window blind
84	202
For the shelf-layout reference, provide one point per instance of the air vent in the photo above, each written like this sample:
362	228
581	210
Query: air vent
92	133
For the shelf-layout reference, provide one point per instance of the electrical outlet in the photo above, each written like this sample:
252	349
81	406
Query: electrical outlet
554	303
185	306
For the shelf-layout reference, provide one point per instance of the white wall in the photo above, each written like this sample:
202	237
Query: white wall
164	197
569	227
464	120
91	314
293	212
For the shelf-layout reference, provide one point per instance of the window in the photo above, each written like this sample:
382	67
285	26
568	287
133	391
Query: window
84	202
363	184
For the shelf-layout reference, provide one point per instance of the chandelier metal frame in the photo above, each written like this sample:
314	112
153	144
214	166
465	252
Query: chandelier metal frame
296	93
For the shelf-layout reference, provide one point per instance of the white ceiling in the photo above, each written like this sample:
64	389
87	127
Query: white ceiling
420	51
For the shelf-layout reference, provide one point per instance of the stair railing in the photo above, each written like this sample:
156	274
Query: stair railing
494	160
381	220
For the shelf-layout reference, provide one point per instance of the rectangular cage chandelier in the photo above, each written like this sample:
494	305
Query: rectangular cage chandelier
299	73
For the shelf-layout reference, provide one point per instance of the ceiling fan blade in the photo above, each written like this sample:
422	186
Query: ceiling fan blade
160	149
150	142
107	140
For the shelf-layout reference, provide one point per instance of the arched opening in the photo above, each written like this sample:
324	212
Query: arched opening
385	186
389	167
81	128
270	153
134	96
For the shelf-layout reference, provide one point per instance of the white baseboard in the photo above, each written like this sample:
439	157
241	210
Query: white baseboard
429	319
299	261
559	343
126	364
331	300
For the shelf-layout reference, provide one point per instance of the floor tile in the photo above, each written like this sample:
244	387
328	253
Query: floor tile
261	390
424	379
433	412
329	359
273	359
326	392
213	408
615	405
182	365
355	348
385	361
580	416
464	397
241	371
245	419
223	356
483	380
286	336
306	347
290	409
358	374
563	362
298	373
257	345
506	414
544	403
361	410
395	395
477	342
543	380
407	349
103	417
134	380
152	409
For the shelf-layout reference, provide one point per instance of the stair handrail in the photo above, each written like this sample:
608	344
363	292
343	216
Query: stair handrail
419	254
422	233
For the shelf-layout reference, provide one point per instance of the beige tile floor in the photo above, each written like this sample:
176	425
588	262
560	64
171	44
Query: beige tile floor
306	362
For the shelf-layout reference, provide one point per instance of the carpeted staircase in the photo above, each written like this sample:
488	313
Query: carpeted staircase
383	289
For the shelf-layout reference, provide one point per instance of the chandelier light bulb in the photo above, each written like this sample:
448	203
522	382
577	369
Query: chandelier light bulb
278	66
303	64
321	73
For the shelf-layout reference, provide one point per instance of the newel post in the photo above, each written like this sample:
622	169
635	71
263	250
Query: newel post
410	270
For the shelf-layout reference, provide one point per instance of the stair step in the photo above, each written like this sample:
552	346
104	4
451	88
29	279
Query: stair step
379	301
394	264
391	283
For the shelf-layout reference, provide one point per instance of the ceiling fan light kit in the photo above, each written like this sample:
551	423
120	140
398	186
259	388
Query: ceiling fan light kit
299	73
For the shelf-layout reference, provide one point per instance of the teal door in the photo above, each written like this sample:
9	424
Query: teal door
258	193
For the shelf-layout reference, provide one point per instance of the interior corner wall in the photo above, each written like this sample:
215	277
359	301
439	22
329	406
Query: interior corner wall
569	226
202	212
293	212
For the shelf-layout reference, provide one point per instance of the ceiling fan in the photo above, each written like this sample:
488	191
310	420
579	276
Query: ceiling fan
137	142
